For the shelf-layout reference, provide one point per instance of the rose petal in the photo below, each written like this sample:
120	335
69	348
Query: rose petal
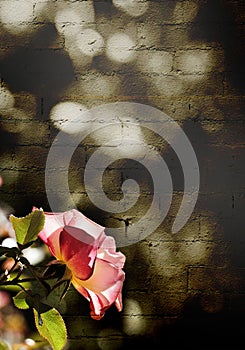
104	276
98	303
78	220
53	243
118	302
74	218
103	287
78	251
53	222
107	252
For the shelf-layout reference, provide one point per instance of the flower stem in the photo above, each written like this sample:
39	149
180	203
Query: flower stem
34	274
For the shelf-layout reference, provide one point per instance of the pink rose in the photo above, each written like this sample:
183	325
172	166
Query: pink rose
90	256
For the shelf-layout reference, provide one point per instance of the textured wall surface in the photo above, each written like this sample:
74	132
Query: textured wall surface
184	58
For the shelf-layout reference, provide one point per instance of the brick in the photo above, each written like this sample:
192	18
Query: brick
28	133
159	62
210	228
6	157
178	36
30	157
79	327
32	181
225	227
216	279
142	278
177	85
163	12
9	178
140	303
199	61
22	11
37	36
183	253
79	12
229	108
215	133
98	85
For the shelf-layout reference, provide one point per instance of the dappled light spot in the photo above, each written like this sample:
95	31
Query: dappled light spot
209	226
194	253
70	18
30	342
120	48
132	138
134	8
16	16
67	16
6	228
69	117
125	136
33	254
193	62
100	85
160	62
90	42
168	259
133	322
79	60
149	35
69	30
6	99
9	242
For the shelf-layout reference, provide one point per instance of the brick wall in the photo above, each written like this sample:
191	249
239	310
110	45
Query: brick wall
184	58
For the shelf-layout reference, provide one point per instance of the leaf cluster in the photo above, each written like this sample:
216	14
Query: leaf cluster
35	285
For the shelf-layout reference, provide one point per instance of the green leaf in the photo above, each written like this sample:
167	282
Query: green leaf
34	301
20	301
3	345
51	326
27	228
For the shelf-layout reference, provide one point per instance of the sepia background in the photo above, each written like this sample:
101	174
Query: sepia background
184	58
